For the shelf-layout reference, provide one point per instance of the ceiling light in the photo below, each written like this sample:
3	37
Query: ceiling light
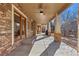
41	12
17	24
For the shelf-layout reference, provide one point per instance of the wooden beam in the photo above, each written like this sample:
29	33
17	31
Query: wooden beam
17	10
12	25
20	27
22	15
25	27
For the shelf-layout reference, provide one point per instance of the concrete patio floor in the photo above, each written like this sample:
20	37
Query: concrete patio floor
43	46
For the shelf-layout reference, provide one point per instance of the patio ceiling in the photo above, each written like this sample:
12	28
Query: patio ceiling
32	11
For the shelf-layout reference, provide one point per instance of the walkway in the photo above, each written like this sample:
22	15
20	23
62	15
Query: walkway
43	46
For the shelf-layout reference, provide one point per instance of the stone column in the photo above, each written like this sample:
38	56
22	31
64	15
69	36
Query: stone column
34	28
57	33
49	29
38	29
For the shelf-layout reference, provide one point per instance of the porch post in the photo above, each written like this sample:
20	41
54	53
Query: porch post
57	33
20	27
49	29
25	27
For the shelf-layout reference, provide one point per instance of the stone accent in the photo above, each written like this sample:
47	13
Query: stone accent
57	37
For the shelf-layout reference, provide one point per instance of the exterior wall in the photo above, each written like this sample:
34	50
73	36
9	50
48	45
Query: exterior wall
5	30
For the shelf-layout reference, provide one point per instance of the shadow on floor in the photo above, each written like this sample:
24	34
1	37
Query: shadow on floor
24	49
45	36
71	43
51	49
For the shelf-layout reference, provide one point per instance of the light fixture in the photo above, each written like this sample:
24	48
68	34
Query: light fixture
41	9
17	24
41	12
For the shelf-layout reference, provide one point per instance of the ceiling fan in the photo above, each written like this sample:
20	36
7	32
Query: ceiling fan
40	8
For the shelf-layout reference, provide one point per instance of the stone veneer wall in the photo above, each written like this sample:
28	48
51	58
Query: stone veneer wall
5	31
